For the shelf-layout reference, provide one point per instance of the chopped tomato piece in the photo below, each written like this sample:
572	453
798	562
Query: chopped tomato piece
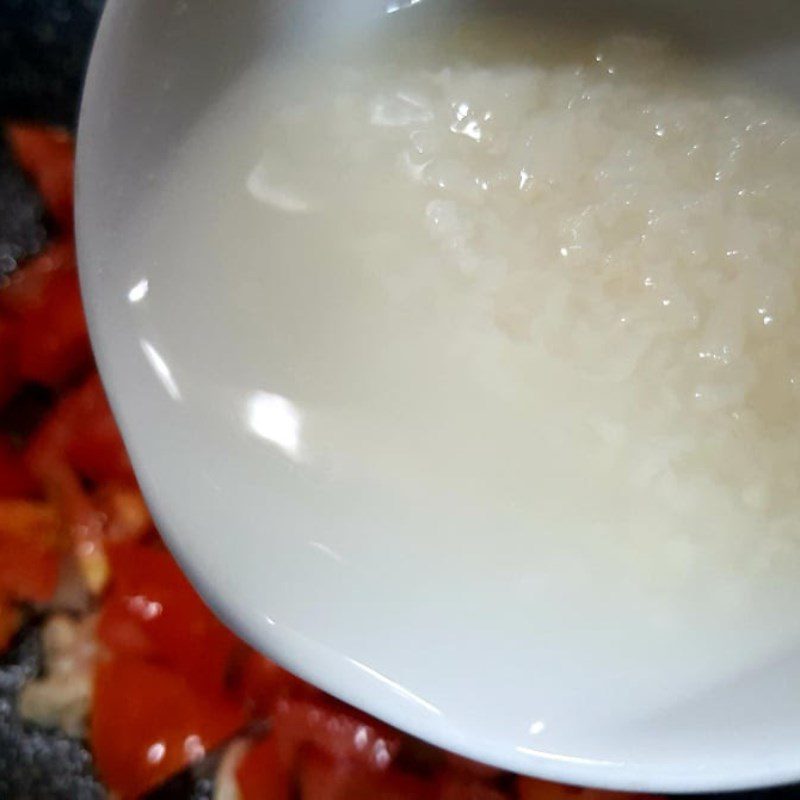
153	612
10	620
457	787
259	683
323	778
9	368
30	554
15	481
27	286
53	339
474	769
47	155
533	789
81	432
96	449
335	731
82	521
43	302
28	570
261	774
26	519
127	517
148	723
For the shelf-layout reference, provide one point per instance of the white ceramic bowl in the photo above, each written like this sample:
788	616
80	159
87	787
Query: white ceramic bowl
401	643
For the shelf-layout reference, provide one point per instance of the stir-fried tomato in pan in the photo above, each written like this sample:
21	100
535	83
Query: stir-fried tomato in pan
169	682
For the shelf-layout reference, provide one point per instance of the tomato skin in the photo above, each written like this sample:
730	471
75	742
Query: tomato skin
53	338
15	480
147	723
335	731
47	155
42	303
81	432
96	449
261	775
152	612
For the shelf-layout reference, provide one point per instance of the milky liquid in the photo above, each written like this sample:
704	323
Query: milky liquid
520	316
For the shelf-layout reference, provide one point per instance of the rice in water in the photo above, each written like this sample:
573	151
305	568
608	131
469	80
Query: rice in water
534	302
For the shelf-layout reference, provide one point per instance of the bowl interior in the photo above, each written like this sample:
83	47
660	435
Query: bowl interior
156	68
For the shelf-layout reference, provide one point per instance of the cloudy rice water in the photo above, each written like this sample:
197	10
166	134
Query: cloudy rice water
529	299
